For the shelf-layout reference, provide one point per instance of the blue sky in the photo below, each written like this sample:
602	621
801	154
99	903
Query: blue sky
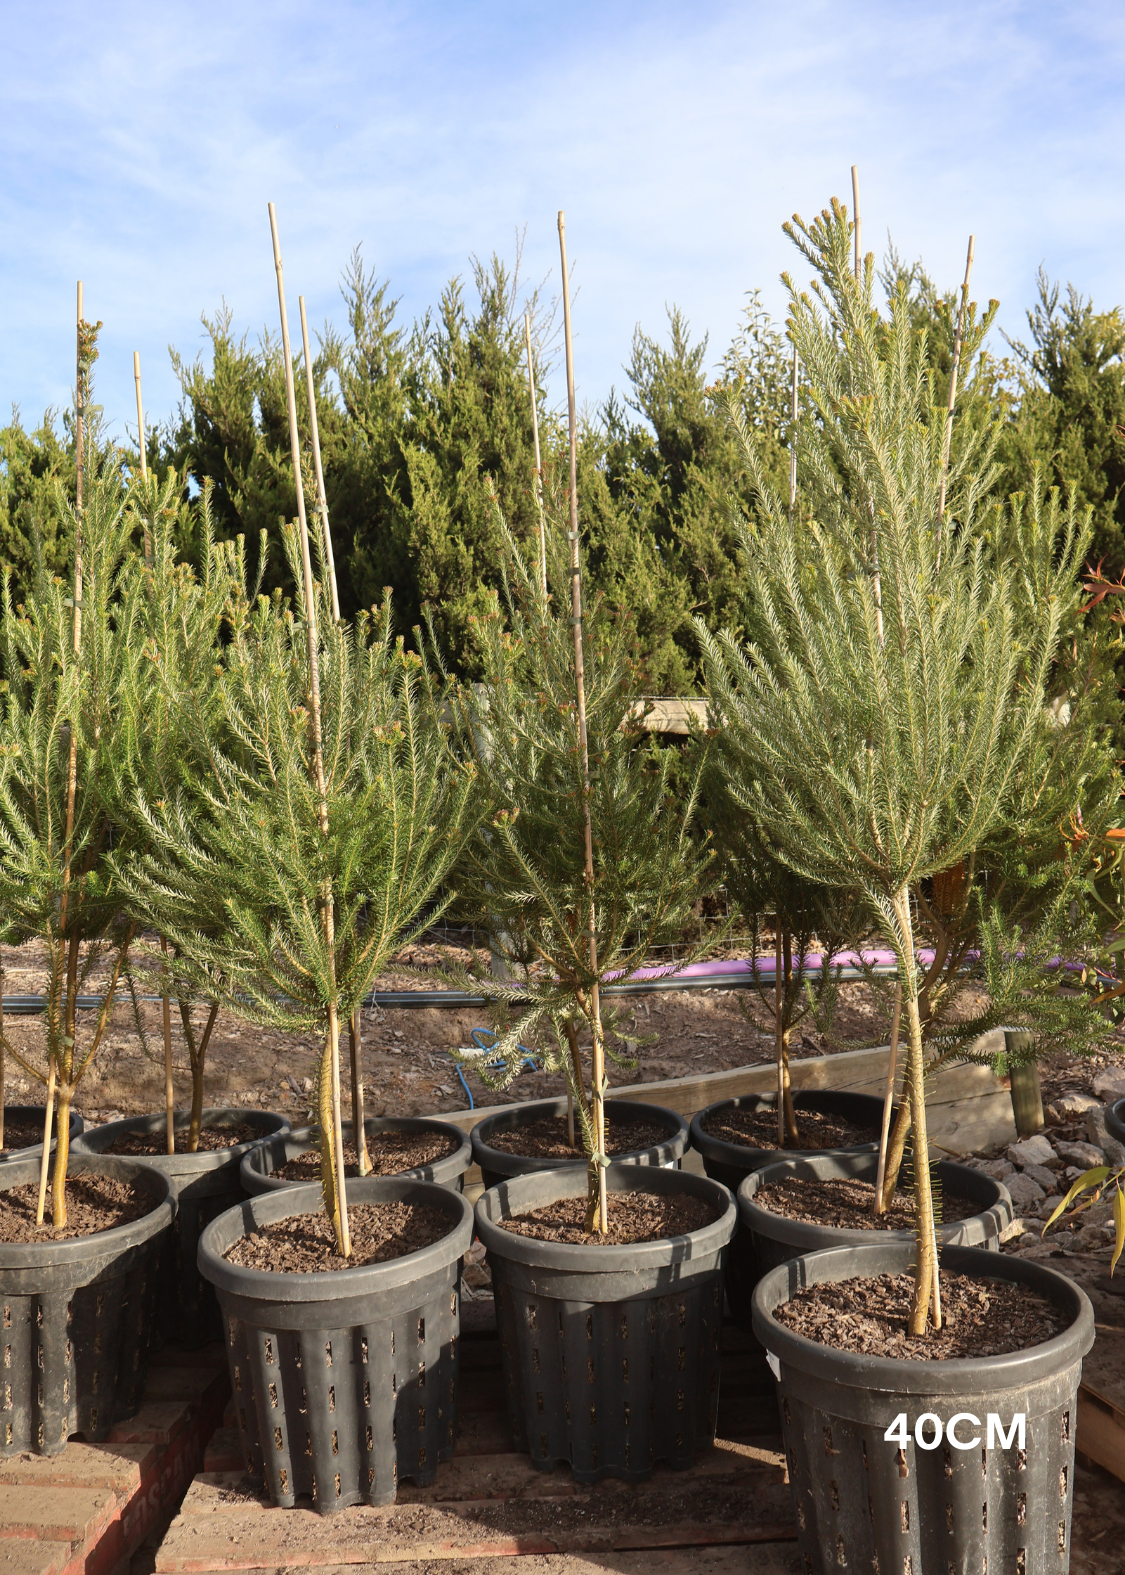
139	145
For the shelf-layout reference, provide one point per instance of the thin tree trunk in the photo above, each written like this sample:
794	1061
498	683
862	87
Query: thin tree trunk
2	1089
197	1056
355	1029
538	477
332	1174
926	1273
778	1030
888	1102
597	1072
169	1089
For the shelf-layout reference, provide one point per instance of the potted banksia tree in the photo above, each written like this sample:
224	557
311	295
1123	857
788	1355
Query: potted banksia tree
881	719
604	1273
333	815
76	1266
171	698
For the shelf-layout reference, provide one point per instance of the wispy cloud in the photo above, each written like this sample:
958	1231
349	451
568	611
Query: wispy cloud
138	151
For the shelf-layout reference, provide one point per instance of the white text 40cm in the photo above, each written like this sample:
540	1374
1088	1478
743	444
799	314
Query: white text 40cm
929	1431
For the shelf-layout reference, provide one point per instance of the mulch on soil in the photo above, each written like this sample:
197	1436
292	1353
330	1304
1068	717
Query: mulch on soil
633	1217
390	1154
869	1317
845	1203
22	1132
547	1138
758	1129
210	1140
304	1244
93	1204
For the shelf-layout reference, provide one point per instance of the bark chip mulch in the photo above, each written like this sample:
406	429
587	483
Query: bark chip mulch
758	1129
390	1153
844	1203
981	1318
547	1138
211	1139
22	1132
93	1204
633	1217
304	1244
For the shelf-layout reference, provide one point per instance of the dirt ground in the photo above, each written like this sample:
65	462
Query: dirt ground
406	1063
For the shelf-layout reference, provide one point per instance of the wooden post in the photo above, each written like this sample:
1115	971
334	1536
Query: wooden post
339	1205
321	497
538	474
598	1053
957	339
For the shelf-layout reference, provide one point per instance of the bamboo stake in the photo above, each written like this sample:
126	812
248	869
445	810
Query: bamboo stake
327	918
72	768
1	1054
777	1011
793	443
957	339
321	497
856	218
598	1054
888	1098
538	477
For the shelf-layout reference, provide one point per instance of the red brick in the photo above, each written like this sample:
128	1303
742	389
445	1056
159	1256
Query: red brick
55	1514
28	1556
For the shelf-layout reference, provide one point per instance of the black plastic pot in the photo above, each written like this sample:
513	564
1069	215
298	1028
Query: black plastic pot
497	1165
864	1502
1115	1120
204	1185
75	1316
610	1355
38	1112
731	1163
776	1239
343	1382
256	1170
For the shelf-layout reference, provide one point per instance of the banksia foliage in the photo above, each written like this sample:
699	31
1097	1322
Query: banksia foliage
245	848
524	871
883	721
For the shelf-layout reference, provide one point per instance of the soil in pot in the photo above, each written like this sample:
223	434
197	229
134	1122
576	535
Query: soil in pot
305	1244
633	1217
134	1145
22	1131
869	1317
93	1204
547	1138
845	1203
817	1129
390	1153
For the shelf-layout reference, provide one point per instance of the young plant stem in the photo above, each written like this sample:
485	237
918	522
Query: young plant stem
888	1102
332	1141
71	779
926	1272
2	1090
355	1029
169	1090
778	1029
597	1067
197	1055
958	338
538	468
321	496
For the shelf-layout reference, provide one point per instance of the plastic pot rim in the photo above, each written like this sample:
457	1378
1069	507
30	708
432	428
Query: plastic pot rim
505	1200
810	1238
667	1150
744	1156
945	1376
182	1162
74	1249
77	1127
267	1208
1115	1119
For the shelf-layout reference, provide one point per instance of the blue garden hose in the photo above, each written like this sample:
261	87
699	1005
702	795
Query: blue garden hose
478	1036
